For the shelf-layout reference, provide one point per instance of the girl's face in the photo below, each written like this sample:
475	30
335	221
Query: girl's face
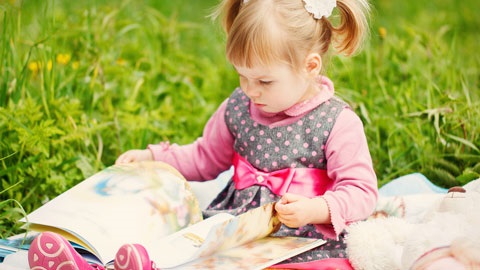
274	89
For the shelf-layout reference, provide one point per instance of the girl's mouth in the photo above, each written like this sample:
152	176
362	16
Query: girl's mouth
259	105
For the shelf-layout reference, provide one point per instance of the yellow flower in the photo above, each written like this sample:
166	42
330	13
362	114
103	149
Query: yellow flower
75	64
382	31
121	62
63	59
34	66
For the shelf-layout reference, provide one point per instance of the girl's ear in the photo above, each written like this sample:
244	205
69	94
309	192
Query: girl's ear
313	64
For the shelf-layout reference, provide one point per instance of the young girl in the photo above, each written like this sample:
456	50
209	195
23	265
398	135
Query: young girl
289	138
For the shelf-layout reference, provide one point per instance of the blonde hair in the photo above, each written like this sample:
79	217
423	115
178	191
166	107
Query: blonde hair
267	31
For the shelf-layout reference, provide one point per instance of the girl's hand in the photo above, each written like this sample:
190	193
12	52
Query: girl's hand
135	155
296	211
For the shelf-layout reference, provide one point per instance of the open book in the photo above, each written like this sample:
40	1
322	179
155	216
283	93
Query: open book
231	242
150	203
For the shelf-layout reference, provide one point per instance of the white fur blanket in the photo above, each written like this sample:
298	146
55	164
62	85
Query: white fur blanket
405	226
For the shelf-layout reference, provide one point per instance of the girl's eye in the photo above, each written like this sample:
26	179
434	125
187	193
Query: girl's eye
266	82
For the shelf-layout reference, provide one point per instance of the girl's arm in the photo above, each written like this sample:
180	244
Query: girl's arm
205	158
355	190
354	193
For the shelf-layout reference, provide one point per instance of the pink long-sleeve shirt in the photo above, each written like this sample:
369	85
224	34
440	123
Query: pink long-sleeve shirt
354	193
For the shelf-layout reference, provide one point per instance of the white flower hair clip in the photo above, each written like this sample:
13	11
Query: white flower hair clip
320	8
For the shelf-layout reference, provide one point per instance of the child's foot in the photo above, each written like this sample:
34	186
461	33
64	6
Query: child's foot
50	251
133	257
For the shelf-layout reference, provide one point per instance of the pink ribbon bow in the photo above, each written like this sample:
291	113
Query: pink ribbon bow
309	182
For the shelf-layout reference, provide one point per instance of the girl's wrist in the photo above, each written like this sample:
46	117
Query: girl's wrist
320	213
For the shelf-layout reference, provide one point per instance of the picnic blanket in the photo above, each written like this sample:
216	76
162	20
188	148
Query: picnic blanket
416	222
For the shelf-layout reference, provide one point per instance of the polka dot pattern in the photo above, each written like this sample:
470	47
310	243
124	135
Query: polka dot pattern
297	145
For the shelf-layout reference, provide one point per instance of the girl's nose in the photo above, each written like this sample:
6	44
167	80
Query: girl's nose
250	90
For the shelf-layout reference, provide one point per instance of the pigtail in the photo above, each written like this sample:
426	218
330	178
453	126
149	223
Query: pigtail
353	26
227	11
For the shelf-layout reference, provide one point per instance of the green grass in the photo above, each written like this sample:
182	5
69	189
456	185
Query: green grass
83	81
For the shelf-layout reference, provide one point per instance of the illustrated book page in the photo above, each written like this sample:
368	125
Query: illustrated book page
230	242
257	254
133	203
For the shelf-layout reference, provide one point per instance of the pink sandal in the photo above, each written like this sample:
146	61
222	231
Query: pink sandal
51	251
133	257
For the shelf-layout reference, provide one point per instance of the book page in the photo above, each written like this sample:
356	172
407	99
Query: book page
251	225
257	254
131	203
184	245
220	233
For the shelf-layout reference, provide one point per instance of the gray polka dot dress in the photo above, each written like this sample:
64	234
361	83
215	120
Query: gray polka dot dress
297	145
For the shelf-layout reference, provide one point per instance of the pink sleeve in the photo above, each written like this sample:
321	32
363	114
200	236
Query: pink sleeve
355	190
205	158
